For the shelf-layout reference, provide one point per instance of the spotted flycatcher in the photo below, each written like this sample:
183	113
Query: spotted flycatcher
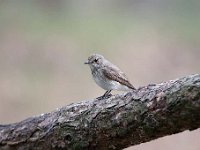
108	76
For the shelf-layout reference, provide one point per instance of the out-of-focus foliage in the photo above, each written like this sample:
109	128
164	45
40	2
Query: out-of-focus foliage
43	45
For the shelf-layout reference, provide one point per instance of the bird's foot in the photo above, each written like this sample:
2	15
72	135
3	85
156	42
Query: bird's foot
104	96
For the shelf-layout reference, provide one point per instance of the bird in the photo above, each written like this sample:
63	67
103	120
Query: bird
107	75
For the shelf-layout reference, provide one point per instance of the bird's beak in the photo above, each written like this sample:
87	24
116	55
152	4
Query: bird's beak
87	62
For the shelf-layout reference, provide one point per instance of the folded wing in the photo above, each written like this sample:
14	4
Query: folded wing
117	75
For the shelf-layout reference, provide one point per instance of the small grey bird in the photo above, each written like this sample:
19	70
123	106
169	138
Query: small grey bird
108	76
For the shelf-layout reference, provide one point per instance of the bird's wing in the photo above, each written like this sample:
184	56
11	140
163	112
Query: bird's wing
117	75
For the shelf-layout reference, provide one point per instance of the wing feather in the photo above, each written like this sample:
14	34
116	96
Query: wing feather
117	75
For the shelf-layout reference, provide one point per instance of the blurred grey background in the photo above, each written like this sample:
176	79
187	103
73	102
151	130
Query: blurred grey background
43	44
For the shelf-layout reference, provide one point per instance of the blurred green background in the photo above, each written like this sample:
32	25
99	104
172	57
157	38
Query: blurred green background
43	44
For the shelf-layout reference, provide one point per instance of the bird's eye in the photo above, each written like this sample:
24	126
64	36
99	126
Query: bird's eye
96	60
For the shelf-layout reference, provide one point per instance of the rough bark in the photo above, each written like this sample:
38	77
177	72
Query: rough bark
118	122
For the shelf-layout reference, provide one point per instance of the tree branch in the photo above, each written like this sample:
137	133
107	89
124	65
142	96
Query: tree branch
115	123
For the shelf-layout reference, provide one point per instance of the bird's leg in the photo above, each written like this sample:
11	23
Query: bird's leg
107	94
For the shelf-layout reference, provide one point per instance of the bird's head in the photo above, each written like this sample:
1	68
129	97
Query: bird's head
95	60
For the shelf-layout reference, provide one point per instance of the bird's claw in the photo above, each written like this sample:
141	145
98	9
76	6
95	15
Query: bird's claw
105	96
